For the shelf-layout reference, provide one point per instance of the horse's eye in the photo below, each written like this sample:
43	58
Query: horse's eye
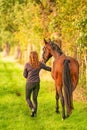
43	48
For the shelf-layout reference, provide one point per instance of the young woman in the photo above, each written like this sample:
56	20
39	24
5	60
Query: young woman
31	72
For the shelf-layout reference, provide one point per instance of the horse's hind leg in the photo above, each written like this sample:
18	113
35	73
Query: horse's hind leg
62	103
57	102
74	83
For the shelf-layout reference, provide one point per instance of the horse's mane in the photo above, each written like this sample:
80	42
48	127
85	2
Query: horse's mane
55	47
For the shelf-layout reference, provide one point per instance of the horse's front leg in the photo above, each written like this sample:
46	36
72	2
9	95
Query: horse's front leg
57	102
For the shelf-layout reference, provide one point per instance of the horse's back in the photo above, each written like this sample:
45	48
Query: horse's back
74	66
58	65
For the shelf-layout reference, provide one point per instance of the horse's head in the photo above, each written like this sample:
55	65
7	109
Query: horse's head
46	55
49	50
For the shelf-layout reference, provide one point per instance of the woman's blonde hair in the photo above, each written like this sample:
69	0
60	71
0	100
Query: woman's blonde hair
33	59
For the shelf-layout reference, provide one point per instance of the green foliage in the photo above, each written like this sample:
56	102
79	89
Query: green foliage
29	20
82	26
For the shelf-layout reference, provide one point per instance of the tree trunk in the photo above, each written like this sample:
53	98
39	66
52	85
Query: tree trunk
6	49
85	59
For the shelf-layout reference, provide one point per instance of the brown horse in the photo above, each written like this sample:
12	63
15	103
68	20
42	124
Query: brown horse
65	72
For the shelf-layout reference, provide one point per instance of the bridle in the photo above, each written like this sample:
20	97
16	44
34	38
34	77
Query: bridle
45	58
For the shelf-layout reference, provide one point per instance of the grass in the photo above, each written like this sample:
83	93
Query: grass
15	114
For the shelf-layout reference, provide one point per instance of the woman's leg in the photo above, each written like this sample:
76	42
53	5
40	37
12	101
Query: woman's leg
35	95
29	90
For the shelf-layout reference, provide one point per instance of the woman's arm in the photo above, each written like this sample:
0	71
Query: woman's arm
25	73
45	67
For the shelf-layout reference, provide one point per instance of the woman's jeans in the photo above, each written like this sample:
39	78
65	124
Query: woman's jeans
32	89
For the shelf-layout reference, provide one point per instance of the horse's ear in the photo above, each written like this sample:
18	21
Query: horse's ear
45	41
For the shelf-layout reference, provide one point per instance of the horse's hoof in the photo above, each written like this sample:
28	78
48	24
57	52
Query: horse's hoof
67	115
57	112
72	108
63	118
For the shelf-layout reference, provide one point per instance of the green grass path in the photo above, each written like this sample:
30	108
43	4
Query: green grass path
15	114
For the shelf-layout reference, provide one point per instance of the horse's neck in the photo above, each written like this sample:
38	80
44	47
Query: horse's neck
55	54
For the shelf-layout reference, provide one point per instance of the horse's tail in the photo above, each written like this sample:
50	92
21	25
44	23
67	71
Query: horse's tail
67	84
